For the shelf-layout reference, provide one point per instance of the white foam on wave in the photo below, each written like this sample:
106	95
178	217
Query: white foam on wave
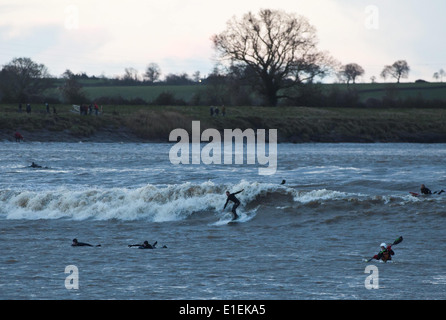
170	202
319	195
154	203
226	218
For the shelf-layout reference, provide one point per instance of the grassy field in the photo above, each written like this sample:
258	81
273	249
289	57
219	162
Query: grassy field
95	89
427	91
147	93
294	124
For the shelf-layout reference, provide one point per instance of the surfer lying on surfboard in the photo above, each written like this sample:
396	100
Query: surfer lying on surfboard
425	190
82	244
231	197
146	245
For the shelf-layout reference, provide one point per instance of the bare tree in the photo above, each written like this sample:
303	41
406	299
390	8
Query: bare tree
196	77
71	90
23	78
153	72
400	69
439	75
442	73
279	47
436	76
351	71
130	75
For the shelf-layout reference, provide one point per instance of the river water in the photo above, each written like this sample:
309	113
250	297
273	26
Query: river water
306	239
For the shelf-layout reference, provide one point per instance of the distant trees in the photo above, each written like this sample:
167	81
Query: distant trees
130	75
399	69
272	59
23	79
351	71
196	77
71	89
279	48
439	75
178	79
153	73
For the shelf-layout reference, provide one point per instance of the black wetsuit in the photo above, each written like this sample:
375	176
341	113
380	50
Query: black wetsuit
427	191
145	245
231	197
81	244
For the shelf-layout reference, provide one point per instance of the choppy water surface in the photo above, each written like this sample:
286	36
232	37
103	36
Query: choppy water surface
306	239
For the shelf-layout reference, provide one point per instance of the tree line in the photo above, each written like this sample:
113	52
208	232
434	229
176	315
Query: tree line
269	58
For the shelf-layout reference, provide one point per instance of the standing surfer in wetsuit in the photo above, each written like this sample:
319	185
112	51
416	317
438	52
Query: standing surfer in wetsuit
231	197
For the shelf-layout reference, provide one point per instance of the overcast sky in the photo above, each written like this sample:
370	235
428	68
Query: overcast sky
105	37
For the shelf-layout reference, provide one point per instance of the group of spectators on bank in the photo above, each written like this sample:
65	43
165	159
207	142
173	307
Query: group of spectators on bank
88	110
216	111
28	108
83	109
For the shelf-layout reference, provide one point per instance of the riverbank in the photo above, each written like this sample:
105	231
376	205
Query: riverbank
294	124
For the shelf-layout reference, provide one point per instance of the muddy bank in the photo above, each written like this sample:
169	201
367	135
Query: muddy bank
103	135
125	135
293	124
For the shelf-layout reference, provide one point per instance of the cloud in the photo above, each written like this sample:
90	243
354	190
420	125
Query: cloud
107	36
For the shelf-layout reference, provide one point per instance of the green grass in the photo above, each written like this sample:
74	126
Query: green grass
428	91
147	93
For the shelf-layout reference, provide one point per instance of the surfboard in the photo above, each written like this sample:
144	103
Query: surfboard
414	194
243	216
75	109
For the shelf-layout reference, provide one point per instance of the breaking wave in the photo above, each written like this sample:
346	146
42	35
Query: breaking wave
177	202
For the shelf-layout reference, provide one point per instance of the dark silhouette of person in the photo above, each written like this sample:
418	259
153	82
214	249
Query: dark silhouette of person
425	190
82	244
34	165
18	137
145	245
232	197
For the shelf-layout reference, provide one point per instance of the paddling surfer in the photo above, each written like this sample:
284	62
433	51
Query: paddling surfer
425	190
82	244
145	245
232	197
35	165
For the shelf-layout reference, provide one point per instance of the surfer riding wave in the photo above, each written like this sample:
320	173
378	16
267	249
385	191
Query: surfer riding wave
233	198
